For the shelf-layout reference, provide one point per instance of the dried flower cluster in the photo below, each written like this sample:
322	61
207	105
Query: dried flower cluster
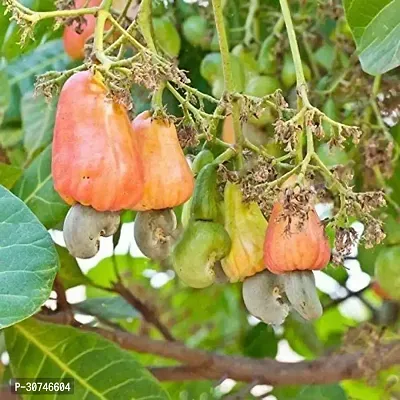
260	171
187	135
362	205
378	152
345	239
287	134
344	132
297	203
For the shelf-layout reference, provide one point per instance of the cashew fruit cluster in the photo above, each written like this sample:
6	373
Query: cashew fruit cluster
290	256
102	164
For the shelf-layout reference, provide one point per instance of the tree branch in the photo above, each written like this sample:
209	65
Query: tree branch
148	314
203	365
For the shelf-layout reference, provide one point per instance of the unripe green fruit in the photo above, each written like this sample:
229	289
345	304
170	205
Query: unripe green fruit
260	86
267	62
246	57
201	160
211	71
205	195
211	67
201	246
288	74
167	36
218	88
195	30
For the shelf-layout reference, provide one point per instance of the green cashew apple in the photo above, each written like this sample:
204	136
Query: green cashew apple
202	159
260	86
288	73
267	62
167	36
195	30
246	57
200	247
205	195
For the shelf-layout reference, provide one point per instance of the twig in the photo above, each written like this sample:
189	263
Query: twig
148	314
62	302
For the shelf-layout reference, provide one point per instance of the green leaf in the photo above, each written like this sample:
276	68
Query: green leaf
104	272
107	308
260	342
322	392
36	189
24	70
376	30
38	118
101	370
9	175
9	137
325	56
28	261
386	387
302	336
367	258
287	392
3	23
43	31
17	156
331	326
5	94
70	273
360	390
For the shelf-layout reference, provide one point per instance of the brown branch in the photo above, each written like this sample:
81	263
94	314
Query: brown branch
62	302
148	314
182	373
203	365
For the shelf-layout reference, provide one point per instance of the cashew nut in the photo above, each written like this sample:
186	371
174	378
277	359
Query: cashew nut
155	232
83	227
263	298
300	289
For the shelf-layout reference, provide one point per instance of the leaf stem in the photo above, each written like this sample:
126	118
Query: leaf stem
145	23
228	77
253	7
293	46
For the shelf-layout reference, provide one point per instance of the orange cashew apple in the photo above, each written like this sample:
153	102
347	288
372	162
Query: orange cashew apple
95	158
168	179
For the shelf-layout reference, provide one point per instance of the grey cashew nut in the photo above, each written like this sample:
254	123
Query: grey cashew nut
264	298
300	289
155	232
83	227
